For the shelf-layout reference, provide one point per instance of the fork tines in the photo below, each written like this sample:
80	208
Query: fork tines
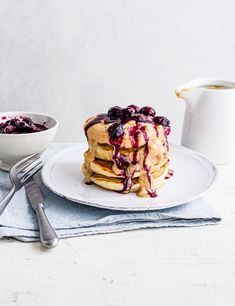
31	170
27	168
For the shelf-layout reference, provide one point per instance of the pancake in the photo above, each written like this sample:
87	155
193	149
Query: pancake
128	150
106	152
104	167
115	184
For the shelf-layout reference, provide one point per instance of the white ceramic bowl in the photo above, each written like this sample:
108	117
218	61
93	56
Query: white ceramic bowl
14	147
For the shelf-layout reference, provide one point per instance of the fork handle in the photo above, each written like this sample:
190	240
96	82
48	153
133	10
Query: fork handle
6	200
48	236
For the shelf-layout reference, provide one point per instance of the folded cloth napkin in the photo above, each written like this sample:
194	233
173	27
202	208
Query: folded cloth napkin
72	219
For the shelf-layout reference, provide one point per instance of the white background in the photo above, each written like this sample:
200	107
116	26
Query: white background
75	58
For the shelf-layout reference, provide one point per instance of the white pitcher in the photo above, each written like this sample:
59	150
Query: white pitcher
209	123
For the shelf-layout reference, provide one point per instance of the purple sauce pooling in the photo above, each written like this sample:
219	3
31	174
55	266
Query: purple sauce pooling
169	174
20	125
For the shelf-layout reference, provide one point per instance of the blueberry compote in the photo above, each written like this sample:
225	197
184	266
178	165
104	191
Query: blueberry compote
116	118
20	125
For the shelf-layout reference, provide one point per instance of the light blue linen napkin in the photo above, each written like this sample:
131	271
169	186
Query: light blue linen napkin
73	219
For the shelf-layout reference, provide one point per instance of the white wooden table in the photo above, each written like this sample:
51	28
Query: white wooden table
171	266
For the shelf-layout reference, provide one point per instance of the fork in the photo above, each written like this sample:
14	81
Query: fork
19	174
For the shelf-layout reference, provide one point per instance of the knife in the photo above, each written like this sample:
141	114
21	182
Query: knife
48	236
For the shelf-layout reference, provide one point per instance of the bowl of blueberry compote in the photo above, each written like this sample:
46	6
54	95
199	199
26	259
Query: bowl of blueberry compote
23	134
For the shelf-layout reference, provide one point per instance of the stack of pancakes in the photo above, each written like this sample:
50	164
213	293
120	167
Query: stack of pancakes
135	159
105	173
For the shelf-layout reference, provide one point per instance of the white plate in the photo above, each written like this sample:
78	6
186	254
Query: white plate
193	175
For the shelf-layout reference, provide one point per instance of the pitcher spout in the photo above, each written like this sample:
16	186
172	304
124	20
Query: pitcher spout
189	92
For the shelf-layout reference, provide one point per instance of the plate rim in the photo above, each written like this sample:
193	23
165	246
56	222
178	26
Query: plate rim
51	161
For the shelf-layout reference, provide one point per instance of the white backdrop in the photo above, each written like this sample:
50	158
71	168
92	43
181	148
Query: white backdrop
74	58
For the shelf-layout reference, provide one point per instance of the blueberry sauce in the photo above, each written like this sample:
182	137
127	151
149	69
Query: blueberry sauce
98	119
134	133
127	184
169	174
122	162
89	183
151	193
116	118
167	130
134	159
148	111
20	125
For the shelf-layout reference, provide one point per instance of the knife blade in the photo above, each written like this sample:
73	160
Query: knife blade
48	236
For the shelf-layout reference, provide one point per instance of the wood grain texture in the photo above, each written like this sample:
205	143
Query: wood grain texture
171	266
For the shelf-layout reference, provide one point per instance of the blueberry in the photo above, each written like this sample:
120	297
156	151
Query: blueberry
3	125
135	108
28	121
115	112
127	112
161	121
130	111
115	130
10	129
140	118
34	128
21	124
148	111
12	122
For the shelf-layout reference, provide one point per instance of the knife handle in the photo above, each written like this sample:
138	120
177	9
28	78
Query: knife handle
48	236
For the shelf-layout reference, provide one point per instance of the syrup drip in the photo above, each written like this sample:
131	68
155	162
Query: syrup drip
169	174
98	119
88	183
134	159
150	192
